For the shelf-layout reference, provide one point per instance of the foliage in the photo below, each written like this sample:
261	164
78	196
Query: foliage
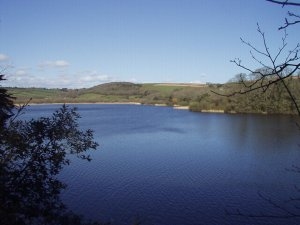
32	154
197	97
278	67
273	70
6	104
117	88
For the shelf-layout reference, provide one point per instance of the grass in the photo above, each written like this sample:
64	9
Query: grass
198	98
165	89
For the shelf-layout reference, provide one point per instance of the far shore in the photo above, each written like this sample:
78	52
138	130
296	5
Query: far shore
87	103
109	103
177	107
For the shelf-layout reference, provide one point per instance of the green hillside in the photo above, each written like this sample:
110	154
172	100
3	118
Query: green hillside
196	97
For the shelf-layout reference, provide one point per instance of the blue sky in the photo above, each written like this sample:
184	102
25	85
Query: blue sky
75	44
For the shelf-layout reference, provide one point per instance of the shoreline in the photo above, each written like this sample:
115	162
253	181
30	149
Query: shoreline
110	103
87	103
176	107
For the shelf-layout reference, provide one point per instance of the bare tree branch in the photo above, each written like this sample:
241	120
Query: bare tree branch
288	23
284	3
272	72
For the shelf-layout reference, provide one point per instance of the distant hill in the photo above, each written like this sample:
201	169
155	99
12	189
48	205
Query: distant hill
198	97
116	88
108	92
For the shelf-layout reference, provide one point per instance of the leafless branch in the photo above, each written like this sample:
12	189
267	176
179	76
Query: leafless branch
284	44
284	3
288	23
273	72
20	110
290	14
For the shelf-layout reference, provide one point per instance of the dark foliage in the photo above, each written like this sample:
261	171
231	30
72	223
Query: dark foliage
32	154
6	104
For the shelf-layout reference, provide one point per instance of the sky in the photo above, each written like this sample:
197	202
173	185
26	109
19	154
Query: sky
83	43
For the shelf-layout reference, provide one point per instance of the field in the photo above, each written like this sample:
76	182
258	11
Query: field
196	97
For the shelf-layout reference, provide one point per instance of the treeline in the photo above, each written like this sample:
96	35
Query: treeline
273	100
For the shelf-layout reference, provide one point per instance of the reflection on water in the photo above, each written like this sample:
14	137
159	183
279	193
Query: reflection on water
171	166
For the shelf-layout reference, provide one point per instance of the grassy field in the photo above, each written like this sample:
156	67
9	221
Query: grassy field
111	92
196	97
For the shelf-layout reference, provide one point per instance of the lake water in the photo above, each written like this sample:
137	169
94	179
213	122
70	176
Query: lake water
175	167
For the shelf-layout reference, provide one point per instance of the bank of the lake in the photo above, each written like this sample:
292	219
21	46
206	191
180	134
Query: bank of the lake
197	98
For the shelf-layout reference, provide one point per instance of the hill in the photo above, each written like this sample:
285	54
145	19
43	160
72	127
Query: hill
197	97
156	93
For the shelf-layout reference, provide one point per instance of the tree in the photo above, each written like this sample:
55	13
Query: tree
32	154
6	104
277	69
273	71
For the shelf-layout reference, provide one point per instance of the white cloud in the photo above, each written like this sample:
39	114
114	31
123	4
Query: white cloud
83	81
21	72
25	78
93	77
196	82
46	76
3	57
90	78
61	63
54	64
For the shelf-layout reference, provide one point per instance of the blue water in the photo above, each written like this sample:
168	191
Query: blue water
174	167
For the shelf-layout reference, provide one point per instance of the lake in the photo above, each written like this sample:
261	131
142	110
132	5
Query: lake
174	167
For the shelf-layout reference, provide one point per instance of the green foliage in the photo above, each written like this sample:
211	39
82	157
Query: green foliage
6	104
32	154
274	100
197	97
117	88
